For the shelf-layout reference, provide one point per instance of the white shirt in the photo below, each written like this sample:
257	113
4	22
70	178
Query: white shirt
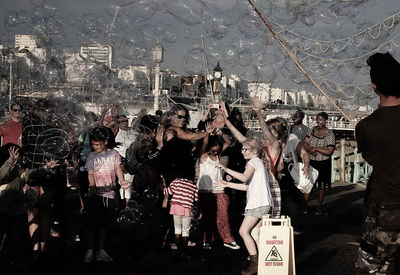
209	175
258	192
125	138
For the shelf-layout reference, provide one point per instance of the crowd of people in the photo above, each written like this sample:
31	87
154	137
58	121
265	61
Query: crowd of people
154	176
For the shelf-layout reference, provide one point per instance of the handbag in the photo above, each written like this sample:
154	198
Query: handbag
296	172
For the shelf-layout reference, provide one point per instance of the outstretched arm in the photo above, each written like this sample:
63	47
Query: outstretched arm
256	106
243	177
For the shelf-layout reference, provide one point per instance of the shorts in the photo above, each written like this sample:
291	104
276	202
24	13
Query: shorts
258	212
101	212
182	225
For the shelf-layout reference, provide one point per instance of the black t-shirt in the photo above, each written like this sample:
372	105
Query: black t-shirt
378	138
177	160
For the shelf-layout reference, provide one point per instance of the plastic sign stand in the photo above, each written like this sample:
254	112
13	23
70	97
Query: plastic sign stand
276	250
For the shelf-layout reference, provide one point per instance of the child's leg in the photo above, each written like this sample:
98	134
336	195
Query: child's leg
186	223
224	228
248	224
178	230
255	234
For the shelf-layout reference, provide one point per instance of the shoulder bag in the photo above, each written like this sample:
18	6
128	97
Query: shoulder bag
296	172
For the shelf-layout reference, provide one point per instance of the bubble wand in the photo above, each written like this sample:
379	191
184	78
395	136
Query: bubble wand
275	35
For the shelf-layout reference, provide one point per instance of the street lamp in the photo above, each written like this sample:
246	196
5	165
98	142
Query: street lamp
11	60
158	51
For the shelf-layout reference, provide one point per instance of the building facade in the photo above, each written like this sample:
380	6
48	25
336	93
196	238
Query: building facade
97	53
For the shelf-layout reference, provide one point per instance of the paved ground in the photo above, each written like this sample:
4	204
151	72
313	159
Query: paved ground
324	244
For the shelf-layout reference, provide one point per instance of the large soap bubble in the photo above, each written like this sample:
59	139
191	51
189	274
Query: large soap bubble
189	12
55	143
193	62
141	10
283	15
37	3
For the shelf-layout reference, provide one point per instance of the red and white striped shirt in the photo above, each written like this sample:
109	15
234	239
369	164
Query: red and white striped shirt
184	192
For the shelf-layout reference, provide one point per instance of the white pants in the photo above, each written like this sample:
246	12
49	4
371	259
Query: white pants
182	225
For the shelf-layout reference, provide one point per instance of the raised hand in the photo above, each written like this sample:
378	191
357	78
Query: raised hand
222	109
52	163
256	104
209	128
14	154
160	135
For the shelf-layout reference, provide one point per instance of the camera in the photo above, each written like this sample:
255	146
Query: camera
215	106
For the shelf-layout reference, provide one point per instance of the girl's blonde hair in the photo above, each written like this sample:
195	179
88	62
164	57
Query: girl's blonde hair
255	145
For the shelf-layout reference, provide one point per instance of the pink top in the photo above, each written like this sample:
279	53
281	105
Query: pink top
104	167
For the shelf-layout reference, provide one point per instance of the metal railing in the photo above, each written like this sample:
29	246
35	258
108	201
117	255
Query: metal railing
350	167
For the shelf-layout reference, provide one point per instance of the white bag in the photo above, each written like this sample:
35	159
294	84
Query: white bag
296	171
302	183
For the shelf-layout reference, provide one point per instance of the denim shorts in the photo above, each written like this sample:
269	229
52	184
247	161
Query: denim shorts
258	212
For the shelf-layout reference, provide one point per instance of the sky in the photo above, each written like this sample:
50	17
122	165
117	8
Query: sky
226	30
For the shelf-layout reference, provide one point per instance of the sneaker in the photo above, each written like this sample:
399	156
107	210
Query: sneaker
102	256
173	246
232	245
89	256
206	246
190	243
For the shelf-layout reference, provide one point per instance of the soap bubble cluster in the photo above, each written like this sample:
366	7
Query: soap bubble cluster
317	32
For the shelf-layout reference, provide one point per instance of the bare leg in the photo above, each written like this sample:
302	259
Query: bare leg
248	224
255	234
321	195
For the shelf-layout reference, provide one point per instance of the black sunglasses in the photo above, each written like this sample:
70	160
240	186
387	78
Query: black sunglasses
180	117
16	110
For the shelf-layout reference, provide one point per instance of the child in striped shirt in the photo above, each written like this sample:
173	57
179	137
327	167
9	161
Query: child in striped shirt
184	193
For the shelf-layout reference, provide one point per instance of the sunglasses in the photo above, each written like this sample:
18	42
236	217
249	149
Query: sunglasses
16	110
180	117
120	121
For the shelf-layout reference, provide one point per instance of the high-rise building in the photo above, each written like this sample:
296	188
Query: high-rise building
26	41
97	53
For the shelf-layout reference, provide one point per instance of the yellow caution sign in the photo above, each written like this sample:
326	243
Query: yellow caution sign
276	251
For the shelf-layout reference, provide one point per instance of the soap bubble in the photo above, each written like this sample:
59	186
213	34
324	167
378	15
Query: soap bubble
11	19
193	62
230	55
55	143
166	32
113	8
308	20
140	10
37	3
250	26
284	16
72	19
188	12
51	7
